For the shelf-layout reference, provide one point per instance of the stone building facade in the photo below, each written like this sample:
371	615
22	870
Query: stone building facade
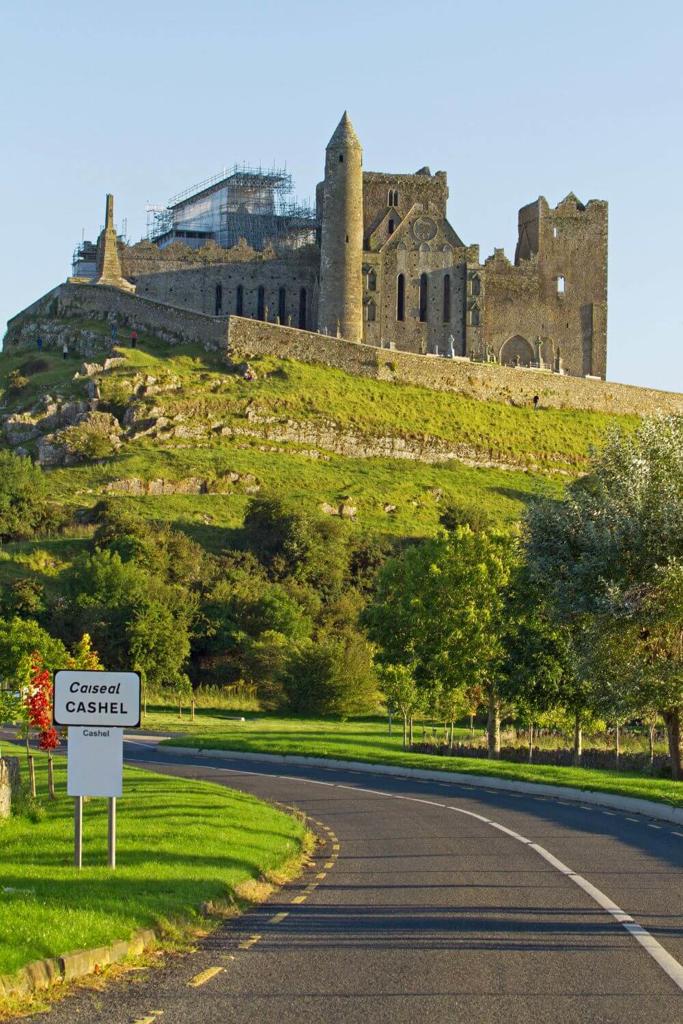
389	270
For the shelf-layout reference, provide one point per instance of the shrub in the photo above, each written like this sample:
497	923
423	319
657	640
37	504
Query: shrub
16	382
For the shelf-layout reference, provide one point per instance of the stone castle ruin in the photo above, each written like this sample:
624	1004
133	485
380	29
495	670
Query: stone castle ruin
377	262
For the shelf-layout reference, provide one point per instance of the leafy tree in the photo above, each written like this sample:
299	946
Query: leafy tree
455	514
23	497
441	608
402	695
19	639
600	553
297	543
333	676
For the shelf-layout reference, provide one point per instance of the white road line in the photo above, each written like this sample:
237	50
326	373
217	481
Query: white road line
665	960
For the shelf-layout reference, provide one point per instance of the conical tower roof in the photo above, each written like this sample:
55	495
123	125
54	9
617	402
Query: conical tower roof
344	134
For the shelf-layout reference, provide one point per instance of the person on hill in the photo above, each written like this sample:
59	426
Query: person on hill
65	351
133	338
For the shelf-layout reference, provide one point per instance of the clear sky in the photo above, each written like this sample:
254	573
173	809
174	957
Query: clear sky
513	100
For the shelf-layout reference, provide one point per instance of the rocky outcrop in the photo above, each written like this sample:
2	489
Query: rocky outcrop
190	485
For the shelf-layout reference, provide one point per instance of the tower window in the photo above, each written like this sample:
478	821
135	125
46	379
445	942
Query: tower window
372	312
218	304
476	285
424	297
393	197
560	284
554	231
282	305
302	308
261	303
372	281
401	297
391	227
341	158
447	298
239	301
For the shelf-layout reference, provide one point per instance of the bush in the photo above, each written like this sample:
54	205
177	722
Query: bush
16	382
23	497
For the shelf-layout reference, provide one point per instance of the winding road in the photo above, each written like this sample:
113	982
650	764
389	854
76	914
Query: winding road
428	902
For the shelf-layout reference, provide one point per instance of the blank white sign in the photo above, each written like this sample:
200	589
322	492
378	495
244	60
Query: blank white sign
95	762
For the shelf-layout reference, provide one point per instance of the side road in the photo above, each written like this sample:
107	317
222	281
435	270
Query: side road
650	808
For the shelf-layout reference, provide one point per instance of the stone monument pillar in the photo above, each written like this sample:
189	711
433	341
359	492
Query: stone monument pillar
108	262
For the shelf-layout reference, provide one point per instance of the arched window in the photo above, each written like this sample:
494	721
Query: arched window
474	316
476	284
401	297
372	280
393	197
371	312
424	297
239	301
302	308
261	303
282	305
391	226
341	158
447	298
218	304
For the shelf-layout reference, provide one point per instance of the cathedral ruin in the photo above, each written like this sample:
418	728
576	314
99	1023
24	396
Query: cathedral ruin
377	261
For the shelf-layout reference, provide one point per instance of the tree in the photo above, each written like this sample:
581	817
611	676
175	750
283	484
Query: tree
401	693
441	608
606	557
332	676
23	497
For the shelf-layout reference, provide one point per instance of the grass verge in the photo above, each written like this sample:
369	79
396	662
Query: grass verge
367	740
181	843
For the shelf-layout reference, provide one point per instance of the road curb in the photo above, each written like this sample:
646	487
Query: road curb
649	808
42	974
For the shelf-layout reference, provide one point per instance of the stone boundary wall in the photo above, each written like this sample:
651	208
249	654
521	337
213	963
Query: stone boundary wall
492	382
239	335
100	302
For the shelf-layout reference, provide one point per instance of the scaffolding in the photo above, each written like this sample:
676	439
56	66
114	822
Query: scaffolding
253	203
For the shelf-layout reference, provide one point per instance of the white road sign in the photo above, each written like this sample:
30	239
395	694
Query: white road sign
95	762
104	699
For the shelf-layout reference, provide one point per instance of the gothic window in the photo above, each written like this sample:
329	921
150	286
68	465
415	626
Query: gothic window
218	304
476	284
475	316
424	297
372	280
372	312
282	305
302	308
560	284
401	297
391	226
447	298
393	197
341	158
261	303
239	301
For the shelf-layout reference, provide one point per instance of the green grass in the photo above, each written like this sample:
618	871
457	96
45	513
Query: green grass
179	843
547	447
367	740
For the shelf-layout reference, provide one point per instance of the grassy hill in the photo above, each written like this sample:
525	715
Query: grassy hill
192	423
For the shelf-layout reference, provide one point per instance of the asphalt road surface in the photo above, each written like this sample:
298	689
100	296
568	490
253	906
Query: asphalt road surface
428	903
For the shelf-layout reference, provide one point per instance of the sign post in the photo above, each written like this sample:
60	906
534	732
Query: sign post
95	707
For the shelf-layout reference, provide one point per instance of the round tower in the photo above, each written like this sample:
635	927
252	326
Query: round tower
340	306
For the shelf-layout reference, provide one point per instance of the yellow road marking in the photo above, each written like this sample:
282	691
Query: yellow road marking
335	847
251	941
298	899
204	976
321	875
148	1020
279	917
311	887
329	864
